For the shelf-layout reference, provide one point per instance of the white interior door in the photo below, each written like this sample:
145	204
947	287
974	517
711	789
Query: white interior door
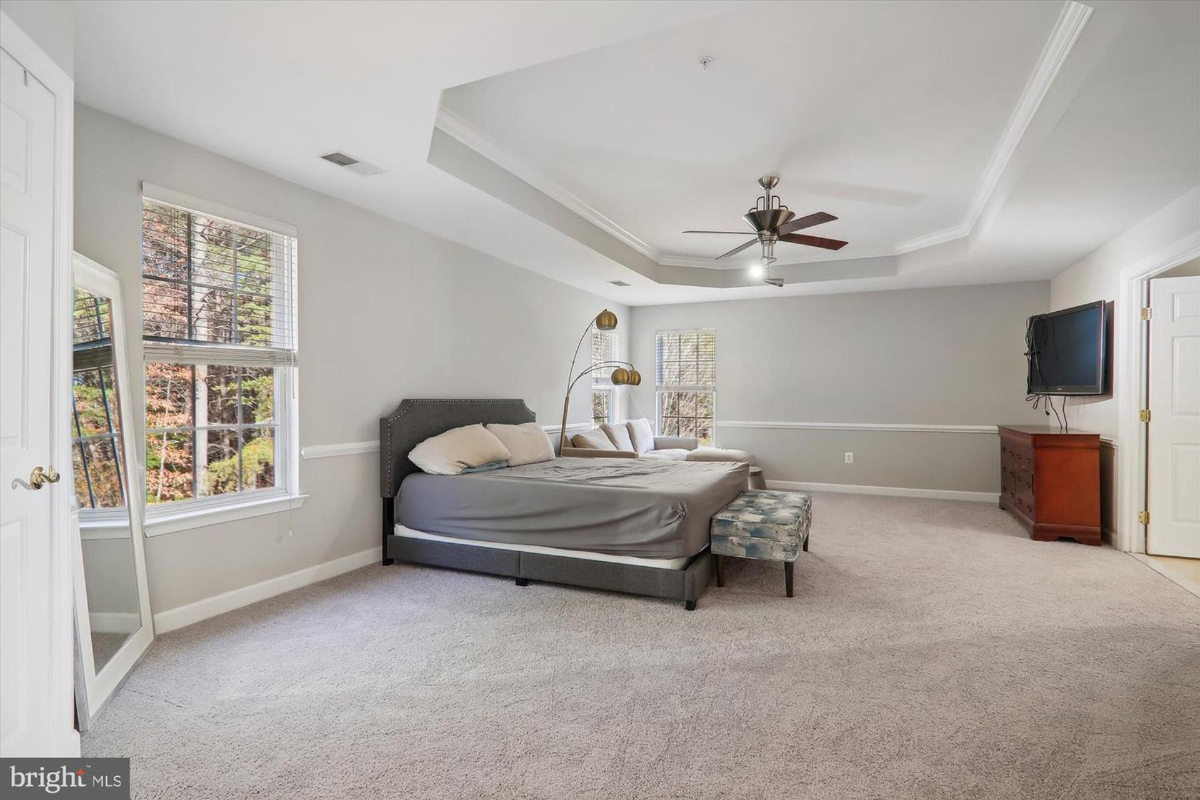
1173	469
27	555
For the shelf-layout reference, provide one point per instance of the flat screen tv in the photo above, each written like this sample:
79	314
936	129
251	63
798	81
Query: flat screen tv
1066	351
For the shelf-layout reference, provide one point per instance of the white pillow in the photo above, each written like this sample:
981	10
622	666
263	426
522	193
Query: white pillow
642	435
618	435
451	452
592	440
528	443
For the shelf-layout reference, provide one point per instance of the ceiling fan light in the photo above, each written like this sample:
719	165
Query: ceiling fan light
757	271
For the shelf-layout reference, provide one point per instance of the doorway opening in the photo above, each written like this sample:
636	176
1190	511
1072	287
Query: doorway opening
1159	386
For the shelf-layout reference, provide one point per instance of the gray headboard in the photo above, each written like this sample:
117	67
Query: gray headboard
414	421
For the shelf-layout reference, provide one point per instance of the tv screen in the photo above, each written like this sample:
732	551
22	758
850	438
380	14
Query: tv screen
1066	351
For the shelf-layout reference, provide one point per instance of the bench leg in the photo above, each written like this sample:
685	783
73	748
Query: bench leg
804	547
788	570
720	571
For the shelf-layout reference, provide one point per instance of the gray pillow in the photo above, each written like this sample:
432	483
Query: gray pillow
618	435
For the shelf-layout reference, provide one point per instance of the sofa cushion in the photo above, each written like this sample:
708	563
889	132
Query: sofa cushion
720	454
592	440
666	455
618	435
641	434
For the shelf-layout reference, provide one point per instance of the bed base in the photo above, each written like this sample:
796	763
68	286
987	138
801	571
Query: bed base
676	584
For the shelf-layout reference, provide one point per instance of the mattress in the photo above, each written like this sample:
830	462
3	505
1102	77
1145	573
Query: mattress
622	507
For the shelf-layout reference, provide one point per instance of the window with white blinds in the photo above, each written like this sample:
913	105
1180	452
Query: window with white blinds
604	395
219	341
686	383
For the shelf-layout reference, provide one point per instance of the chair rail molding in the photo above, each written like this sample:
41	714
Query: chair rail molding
917	427
339	449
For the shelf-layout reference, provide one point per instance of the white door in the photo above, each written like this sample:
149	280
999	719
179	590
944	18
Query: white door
1173	469
27	546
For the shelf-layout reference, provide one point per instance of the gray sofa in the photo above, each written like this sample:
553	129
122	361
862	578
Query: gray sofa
672	448
618	441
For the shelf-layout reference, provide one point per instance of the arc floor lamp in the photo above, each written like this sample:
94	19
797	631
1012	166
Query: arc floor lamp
623	373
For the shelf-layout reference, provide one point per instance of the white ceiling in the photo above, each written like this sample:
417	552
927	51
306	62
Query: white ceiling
871	112
891	116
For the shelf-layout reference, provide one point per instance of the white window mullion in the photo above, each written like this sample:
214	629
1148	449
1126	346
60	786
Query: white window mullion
246	268
685	383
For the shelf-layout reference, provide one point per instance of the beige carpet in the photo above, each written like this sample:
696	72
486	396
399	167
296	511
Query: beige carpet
931	651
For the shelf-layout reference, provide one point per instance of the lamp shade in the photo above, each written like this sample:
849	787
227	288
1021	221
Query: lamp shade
620	376
606	320
635	378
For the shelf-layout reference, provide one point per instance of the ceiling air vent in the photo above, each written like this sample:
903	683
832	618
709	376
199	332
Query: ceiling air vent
341	159
618	283
353	164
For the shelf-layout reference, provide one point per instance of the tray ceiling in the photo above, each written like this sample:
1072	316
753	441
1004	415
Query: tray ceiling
885	115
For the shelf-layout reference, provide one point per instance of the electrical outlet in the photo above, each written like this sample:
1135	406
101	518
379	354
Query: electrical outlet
849	458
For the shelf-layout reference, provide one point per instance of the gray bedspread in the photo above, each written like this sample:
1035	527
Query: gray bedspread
629	507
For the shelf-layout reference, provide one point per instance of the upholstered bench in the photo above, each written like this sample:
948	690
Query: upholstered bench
766	525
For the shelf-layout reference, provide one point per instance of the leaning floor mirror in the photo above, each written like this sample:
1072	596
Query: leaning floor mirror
112	605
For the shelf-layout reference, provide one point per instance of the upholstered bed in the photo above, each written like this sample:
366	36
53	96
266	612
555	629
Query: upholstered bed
636	526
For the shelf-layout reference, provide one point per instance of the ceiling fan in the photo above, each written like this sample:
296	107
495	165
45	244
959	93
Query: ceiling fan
773	222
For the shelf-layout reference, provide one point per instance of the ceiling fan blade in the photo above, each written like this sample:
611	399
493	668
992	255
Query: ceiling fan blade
800	223
738	249
813	241
776	282
735	233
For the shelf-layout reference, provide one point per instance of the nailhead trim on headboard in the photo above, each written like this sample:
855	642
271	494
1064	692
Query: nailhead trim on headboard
506	411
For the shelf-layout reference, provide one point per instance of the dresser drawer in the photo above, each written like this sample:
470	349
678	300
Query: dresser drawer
1064	468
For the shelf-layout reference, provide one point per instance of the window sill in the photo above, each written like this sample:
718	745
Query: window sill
175	521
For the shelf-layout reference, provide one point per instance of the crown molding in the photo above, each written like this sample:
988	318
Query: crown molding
1066	32
1067	29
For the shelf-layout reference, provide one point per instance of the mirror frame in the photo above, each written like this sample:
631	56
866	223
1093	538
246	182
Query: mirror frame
93	689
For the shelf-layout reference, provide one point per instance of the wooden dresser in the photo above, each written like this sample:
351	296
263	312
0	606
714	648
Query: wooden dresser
1050	481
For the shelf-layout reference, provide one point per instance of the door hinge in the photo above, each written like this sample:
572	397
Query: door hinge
1144	415
1146	312
1143	517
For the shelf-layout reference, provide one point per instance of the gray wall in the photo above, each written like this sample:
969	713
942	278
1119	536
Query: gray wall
1098	277
946	356
49	23
386	312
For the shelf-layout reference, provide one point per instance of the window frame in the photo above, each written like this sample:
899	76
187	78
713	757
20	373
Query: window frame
176	515
602	380
92	516
661	388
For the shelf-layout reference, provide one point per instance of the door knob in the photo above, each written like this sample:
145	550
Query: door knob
40	477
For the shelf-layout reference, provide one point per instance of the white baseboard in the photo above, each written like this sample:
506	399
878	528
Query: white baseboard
115	621
889	491
176	618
